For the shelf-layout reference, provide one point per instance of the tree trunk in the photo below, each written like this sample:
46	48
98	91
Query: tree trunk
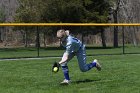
103	37
37	38
82	37
25	37
0	35
115	29
134	37
44	39
116	36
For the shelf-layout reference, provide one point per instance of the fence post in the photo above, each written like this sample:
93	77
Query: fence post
37	41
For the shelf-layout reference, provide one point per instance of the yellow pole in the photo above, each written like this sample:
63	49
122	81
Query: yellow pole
69	24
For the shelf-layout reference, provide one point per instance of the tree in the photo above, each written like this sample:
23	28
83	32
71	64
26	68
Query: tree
75	11
64	11
114	10
2	20
30	11
128	13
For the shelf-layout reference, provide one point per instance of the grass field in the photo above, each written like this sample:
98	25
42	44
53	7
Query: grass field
120	74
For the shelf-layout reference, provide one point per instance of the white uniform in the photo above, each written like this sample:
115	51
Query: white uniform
75	47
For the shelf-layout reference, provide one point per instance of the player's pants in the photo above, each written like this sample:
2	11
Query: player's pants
81	56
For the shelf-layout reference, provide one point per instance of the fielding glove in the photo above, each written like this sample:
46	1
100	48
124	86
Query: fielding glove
55	67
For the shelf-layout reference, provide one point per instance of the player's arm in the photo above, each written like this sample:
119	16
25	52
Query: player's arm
64	58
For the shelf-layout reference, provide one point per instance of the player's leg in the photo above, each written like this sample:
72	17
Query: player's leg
66	70
81	56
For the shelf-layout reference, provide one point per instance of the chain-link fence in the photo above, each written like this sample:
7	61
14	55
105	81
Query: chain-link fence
41	41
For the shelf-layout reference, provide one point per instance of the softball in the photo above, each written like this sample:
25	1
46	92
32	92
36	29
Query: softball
55	69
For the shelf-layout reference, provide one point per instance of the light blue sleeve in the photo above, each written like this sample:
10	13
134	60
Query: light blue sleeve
69	47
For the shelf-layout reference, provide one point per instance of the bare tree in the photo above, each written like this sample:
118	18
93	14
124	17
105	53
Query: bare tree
115	17
129	13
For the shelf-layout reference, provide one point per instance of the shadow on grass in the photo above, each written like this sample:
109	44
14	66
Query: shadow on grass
86	81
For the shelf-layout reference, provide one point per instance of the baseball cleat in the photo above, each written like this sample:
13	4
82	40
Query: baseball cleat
98	66
65	82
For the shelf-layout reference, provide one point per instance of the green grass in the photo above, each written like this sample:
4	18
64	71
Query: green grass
120	74
132	49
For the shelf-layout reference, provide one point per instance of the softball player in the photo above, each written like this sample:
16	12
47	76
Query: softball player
73	47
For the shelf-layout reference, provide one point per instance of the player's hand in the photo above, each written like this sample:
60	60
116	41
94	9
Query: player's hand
55	67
